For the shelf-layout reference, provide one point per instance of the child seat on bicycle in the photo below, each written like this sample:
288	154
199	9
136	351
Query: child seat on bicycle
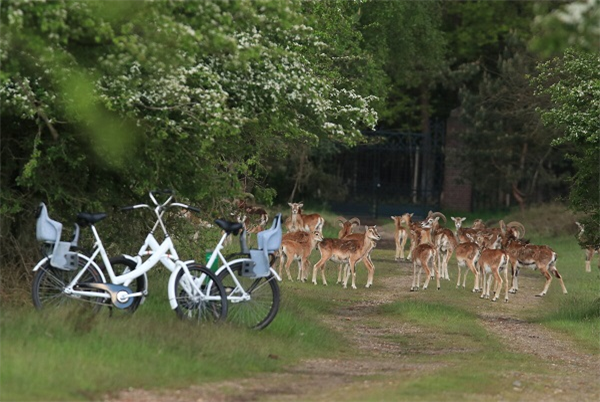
49	232
269	241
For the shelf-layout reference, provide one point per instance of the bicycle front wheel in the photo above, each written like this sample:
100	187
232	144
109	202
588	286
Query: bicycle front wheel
210	305
49	283
253	302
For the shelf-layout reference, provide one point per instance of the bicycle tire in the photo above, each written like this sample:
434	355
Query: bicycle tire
121	265
200	310
261	309
49	283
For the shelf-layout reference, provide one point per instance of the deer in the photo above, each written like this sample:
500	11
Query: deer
416	229
467	255
298	247
422	255
300	221
461	233
445	243
521	253
589	247
347	228
401	234
492	261
349	251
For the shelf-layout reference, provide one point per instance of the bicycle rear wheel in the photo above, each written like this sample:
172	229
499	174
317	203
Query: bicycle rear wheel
192	306
260	309
49	283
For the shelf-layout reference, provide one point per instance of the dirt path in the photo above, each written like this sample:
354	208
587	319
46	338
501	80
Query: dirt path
332	379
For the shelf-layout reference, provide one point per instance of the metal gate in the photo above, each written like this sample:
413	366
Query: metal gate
393	173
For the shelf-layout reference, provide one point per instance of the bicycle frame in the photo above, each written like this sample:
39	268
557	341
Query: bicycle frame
239	294
165	253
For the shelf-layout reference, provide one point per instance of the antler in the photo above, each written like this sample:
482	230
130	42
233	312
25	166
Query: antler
519	226
437	214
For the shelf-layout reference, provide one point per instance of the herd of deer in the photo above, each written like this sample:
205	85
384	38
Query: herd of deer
489	253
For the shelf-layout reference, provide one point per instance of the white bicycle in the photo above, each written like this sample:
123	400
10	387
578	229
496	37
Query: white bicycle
249	280
66	275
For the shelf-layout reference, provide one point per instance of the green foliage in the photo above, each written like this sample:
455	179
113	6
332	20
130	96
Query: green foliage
102	102
507	148
573	84
576	24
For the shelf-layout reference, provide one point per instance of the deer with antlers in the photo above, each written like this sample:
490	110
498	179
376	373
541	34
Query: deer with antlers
349	251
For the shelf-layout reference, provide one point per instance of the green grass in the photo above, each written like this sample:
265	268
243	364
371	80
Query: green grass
72	355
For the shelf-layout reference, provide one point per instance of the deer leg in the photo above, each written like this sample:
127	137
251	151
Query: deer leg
557	274
544	271
323	276
515	277
288	262
498	280
371	270
319	265
428	272
589	254
339	279
437	275
402	246
473	269
415	284
458	280
506	282
398	246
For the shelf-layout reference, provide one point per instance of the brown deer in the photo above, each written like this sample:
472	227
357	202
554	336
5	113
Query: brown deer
349	251
298	247
422	255
543	258
401	234
588	246
492	262
300	221
467	254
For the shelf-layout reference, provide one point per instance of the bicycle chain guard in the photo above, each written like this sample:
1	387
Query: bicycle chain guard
119	294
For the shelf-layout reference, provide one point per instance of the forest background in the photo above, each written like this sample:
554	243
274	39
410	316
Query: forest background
103	101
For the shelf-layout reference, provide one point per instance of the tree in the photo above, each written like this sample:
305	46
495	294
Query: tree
103	101
571	78
507	148
573	83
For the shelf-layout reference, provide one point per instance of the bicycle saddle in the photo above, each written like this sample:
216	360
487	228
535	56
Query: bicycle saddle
84	218
229	227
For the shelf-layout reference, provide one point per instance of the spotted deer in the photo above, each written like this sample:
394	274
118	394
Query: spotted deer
349	251
300	221
492	262
298	246
422	255
521	253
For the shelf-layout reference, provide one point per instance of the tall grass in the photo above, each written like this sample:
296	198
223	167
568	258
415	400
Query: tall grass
73	355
